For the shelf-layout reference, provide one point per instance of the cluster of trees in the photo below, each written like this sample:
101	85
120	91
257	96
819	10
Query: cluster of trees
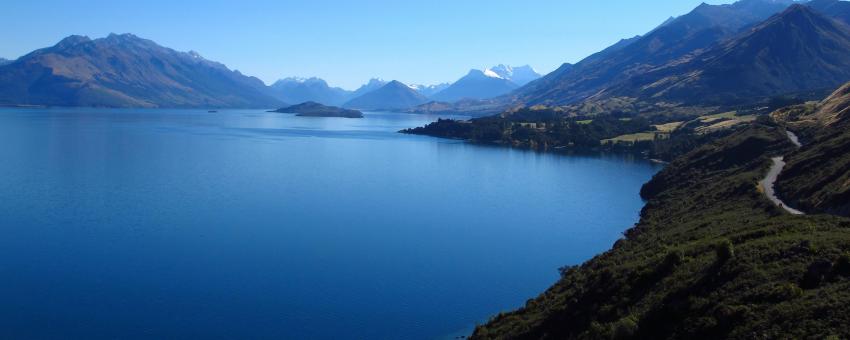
539	129
543	129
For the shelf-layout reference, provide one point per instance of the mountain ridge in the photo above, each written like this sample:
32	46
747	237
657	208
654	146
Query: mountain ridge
794	51
476	84
395	95
299	90
700	28
125	71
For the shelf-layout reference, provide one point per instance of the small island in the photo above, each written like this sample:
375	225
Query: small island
313	109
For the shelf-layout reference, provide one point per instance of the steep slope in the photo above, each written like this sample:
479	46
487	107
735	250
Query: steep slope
704	26
476	84
393	96
125	71
817	177
711	258
299	90
796	51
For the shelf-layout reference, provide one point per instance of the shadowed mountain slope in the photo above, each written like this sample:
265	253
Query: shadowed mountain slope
704	26
817	177
125	71
796	51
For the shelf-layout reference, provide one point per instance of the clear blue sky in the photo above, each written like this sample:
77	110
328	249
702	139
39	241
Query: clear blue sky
348	42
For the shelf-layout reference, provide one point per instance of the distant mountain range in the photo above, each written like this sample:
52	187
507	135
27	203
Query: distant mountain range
372	85
489	83
430	90
476	84
126	71
392	96
717	55
300	90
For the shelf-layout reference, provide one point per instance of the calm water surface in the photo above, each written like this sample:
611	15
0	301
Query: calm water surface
246	224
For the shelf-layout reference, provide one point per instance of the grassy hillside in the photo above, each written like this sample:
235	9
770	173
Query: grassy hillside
710	258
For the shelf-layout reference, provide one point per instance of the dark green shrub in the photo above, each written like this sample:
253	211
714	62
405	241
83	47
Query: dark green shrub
672	260
725	251
565	271
785	292
625	328
842	266
816	274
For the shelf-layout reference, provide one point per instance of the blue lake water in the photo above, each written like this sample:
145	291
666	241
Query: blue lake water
246	224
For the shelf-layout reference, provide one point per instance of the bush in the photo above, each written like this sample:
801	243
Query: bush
565	271
785	292
672	260
816	274
625	328
725	251
842	265
599	331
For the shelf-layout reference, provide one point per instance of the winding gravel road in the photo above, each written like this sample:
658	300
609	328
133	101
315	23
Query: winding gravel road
769	181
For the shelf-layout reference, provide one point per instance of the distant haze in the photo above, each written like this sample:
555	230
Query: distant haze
349	43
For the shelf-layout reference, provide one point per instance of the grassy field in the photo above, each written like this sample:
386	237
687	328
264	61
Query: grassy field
635	137
719	116
702	126
723	121
669	127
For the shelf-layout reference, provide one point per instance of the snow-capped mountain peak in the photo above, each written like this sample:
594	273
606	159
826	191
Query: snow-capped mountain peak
429	90
503	70
492	74
520	75
302	80
298	80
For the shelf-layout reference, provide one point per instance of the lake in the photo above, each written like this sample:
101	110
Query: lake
247	224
